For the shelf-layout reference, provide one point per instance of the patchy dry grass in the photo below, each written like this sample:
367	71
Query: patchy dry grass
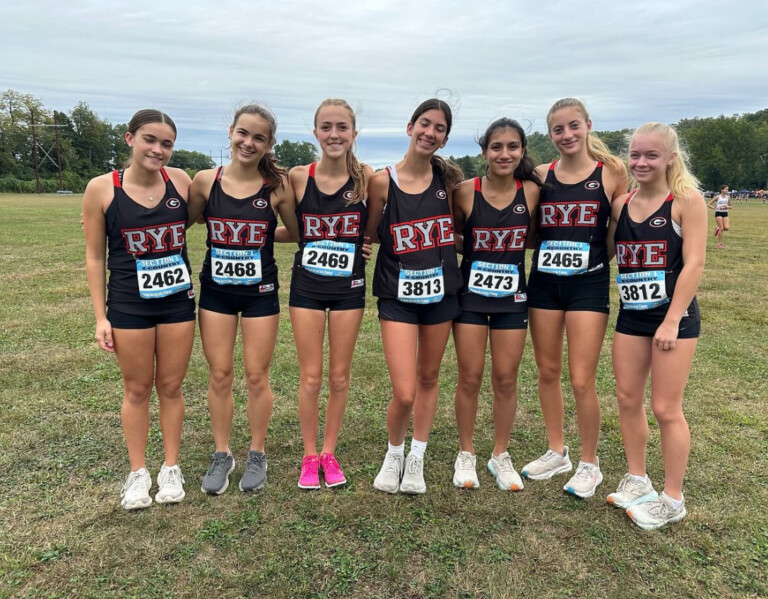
63	461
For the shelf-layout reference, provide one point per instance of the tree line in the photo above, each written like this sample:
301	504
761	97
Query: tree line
35	141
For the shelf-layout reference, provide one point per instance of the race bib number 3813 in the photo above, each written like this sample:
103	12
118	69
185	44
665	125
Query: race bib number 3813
564	258
421	286
162	277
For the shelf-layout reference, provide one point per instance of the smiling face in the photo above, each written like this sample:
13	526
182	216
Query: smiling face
568	130
429	132
151	145
504	152
649	158
250	138
335	130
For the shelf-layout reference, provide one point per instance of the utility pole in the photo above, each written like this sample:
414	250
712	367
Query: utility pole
58	148
34	144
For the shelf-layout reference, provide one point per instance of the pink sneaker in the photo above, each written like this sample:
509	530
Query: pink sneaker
720	246
310	477
717	230
333	475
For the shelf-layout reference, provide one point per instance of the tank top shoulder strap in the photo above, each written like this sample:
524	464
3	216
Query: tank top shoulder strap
518	184
219	172
630	196
117	178
478	184
312	168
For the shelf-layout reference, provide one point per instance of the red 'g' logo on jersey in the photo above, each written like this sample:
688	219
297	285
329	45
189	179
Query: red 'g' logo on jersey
592	185
173	203
260	203
658	222
349	195
440	194
519	209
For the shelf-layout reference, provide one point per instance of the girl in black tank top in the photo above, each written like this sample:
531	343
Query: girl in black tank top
569	287
660	242
138	216
495	213
416	279
239	282
328	275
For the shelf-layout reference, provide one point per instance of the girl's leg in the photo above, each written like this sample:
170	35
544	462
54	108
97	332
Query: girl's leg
631	366
547	330
470	341
173	349
135	350
343	328
399	341
308	332
669	375
506	352
585	331
432	340
218	333
720	225
259	338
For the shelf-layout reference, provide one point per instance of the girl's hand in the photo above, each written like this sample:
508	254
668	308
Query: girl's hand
666	335
104	335
367	248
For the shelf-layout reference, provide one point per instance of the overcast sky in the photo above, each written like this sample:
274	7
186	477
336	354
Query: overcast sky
630	61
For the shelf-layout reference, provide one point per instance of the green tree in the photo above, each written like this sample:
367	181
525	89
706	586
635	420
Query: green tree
540	148
191	160
294	153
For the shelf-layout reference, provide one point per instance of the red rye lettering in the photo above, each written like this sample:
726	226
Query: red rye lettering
322	226
422	234
643	254
227	231
571	214
162	238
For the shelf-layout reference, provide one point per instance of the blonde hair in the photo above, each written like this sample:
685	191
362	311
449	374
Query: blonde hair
596	149
679	177
354	166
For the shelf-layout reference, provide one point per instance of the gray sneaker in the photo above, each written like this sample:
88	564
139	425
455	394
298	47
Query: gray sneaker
255	475
413	476
216	480
656	513
632	492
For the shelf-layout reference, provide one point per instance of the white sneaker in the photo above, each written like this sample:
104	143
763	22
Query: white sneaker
585	480
548	465
171	485
135	493
465	474
413	476
656	513
388	478
504	472
632	492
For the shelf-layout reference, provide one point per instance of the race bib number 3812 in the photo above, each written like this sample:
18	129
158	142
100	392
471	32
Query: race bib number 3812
642	290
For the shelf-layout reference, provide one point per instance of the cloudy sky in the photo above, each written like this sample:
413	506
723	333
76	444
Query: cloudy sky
630	61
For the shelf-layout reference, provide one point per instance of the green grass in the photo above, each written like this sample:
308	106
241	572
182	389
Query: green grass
63	461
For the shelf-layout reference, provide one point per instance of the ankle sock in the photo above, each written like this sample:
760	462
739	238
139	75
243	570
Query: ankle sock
418	448
396	449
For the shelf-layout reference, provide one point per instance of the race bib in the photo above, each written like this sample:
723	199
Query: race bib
642	290
235	267
563	258
162	277
329	258
421	286
493	280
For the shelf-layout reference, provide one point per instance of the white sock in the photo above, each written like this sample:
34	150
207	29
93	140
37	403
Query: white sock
418	448
642	479
676	503
396	449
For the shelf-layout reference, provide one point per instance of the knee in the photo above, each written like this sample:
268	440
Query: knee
549	374
582	386
470	382
628	400
169	389
338	382
404	399
257	381
667	412
311	382
136	393
504	384
221	378
428	379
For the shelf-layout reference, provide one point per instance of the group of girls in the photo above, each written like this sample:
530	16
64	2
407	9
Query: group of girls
575	212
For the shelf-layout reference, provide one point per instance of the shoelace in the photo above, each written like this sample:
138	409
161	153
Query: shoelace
218	464
174	477
393	464
658	509
629	484
413	466
584	471
254	462
551	455
133	477
465	462
505	464
331	463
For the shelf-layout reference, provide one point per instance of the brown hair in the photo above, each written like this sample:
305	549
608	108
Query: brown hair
147	116
273	174
355	168
451	171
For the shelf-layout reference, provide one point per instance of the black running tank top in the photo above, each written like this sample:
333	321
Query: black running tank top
493	266
241	236
329	264
153	240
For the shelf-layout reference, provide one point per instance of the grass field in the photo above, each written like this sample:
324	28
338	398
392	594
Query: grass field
63	461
